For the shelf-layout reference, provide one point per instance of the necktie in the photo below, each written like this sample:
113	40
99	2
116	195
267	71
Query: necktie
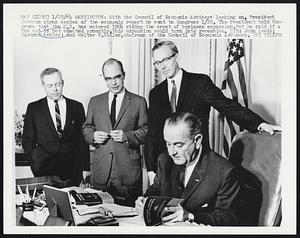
113	111
181	177
173	97
58	120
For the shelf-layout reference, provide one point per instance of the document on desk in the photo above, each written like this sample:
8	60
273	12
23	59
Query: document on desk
105	196
116	210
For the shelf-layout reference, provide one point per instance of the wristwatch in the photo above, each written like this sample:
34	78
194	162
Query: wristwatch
187	216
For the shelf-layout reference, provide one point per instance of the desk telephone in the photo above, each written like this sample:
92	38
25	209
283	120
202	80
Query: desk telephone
86	198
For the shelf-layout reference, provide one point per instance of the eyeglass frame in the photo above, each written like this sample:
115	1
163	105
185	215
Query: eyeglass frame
57	85
117	77
103	212
165	61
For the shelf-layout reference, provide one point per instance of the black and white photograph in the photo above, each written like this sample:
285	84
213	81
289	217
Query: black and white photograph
156	118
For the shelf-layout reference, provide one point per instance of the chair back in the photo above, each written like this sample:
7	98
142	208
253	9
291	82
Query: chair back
258	158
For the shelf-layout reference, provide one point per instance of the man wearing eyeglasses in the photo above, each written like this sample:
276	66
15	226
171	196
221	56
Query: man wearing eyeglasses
117	125
52	138
183	91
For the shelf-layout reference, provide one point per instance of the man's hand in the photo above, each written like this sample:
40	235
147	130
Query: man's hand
85	175
176	216
269	128
85	183
118	135
151	176
100	137
139	205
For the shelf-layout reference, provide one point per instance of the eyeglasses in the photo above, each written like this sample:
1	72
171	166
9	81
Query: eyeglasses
104	216
166	60
57	85
117	77
105	213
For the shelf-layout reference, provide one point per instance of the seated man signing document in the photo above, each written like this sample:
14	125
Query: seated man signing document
206	181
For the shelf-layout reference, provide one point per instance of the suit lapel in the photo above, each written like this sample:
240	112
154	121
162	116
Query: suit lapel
197	176
104	107
183	90
165	96
48	117
68	117
124	105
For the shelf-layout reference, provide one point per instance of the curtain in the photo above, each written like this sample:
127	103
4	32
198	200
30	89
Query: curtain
139	76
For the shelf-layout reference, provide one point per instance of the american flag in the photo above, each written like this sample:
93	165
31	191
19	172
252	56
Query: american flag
234	86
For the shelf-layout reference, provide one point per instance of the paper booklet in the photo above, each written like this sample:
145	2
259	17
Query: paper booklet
154	209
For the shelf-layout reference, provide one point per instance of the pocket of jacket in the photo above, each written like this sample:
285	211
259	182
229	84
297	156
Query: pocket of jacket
134	155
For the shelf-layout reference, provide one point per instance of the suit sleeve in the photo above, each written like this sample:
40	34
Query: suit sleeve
153	138
243	116
29	132
84	147
88	127
137	137
224	211
154	189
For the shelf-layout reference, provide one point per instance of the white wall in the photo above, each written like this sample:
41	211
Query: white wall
80	62
265	79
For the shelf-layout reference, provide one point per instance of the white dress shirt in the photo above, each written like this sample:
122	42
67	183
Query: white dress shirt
119	100
190	168
62	110
177	78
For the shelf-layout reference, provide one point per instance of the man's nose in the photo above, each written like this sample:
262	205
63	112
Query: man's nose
163	66
114	81
172	150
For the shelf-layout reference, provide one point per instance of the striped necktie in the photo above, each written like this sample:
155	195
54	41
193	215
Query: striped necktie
173	97
58	119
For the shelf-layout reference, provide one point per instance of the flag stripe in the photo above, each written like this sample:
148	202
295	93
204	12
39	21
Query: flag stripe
235	72
231	85
242	82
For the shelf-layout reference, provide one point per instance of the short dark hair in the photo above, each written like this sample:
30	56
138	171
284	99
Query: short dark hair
112	61
192	121
49	71
172	46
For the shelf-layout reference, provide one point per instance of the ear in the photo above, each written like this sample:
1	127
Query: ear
177	57
198	141
62	82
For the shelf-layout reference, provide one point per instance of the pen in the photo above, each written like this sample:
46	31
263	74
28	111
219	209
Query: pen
27	194
21	193
20	190
34	193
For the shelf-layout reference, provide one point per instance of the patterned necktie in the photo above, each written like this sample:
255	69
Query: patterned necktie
113	111
58	119
173	97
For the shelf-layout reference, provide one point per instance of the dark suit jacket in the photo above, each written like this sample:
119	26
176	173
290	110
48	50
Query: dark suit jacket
211	192
197	94
47	153
133	120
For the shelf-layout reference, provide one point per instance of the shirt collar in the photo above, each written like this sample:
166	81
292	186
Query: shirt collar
177	78
121	94
61	99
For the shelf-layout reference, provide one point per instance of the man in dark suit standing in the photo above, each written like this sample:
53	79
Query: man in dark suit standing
188	92
52	138
206	181
117	125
